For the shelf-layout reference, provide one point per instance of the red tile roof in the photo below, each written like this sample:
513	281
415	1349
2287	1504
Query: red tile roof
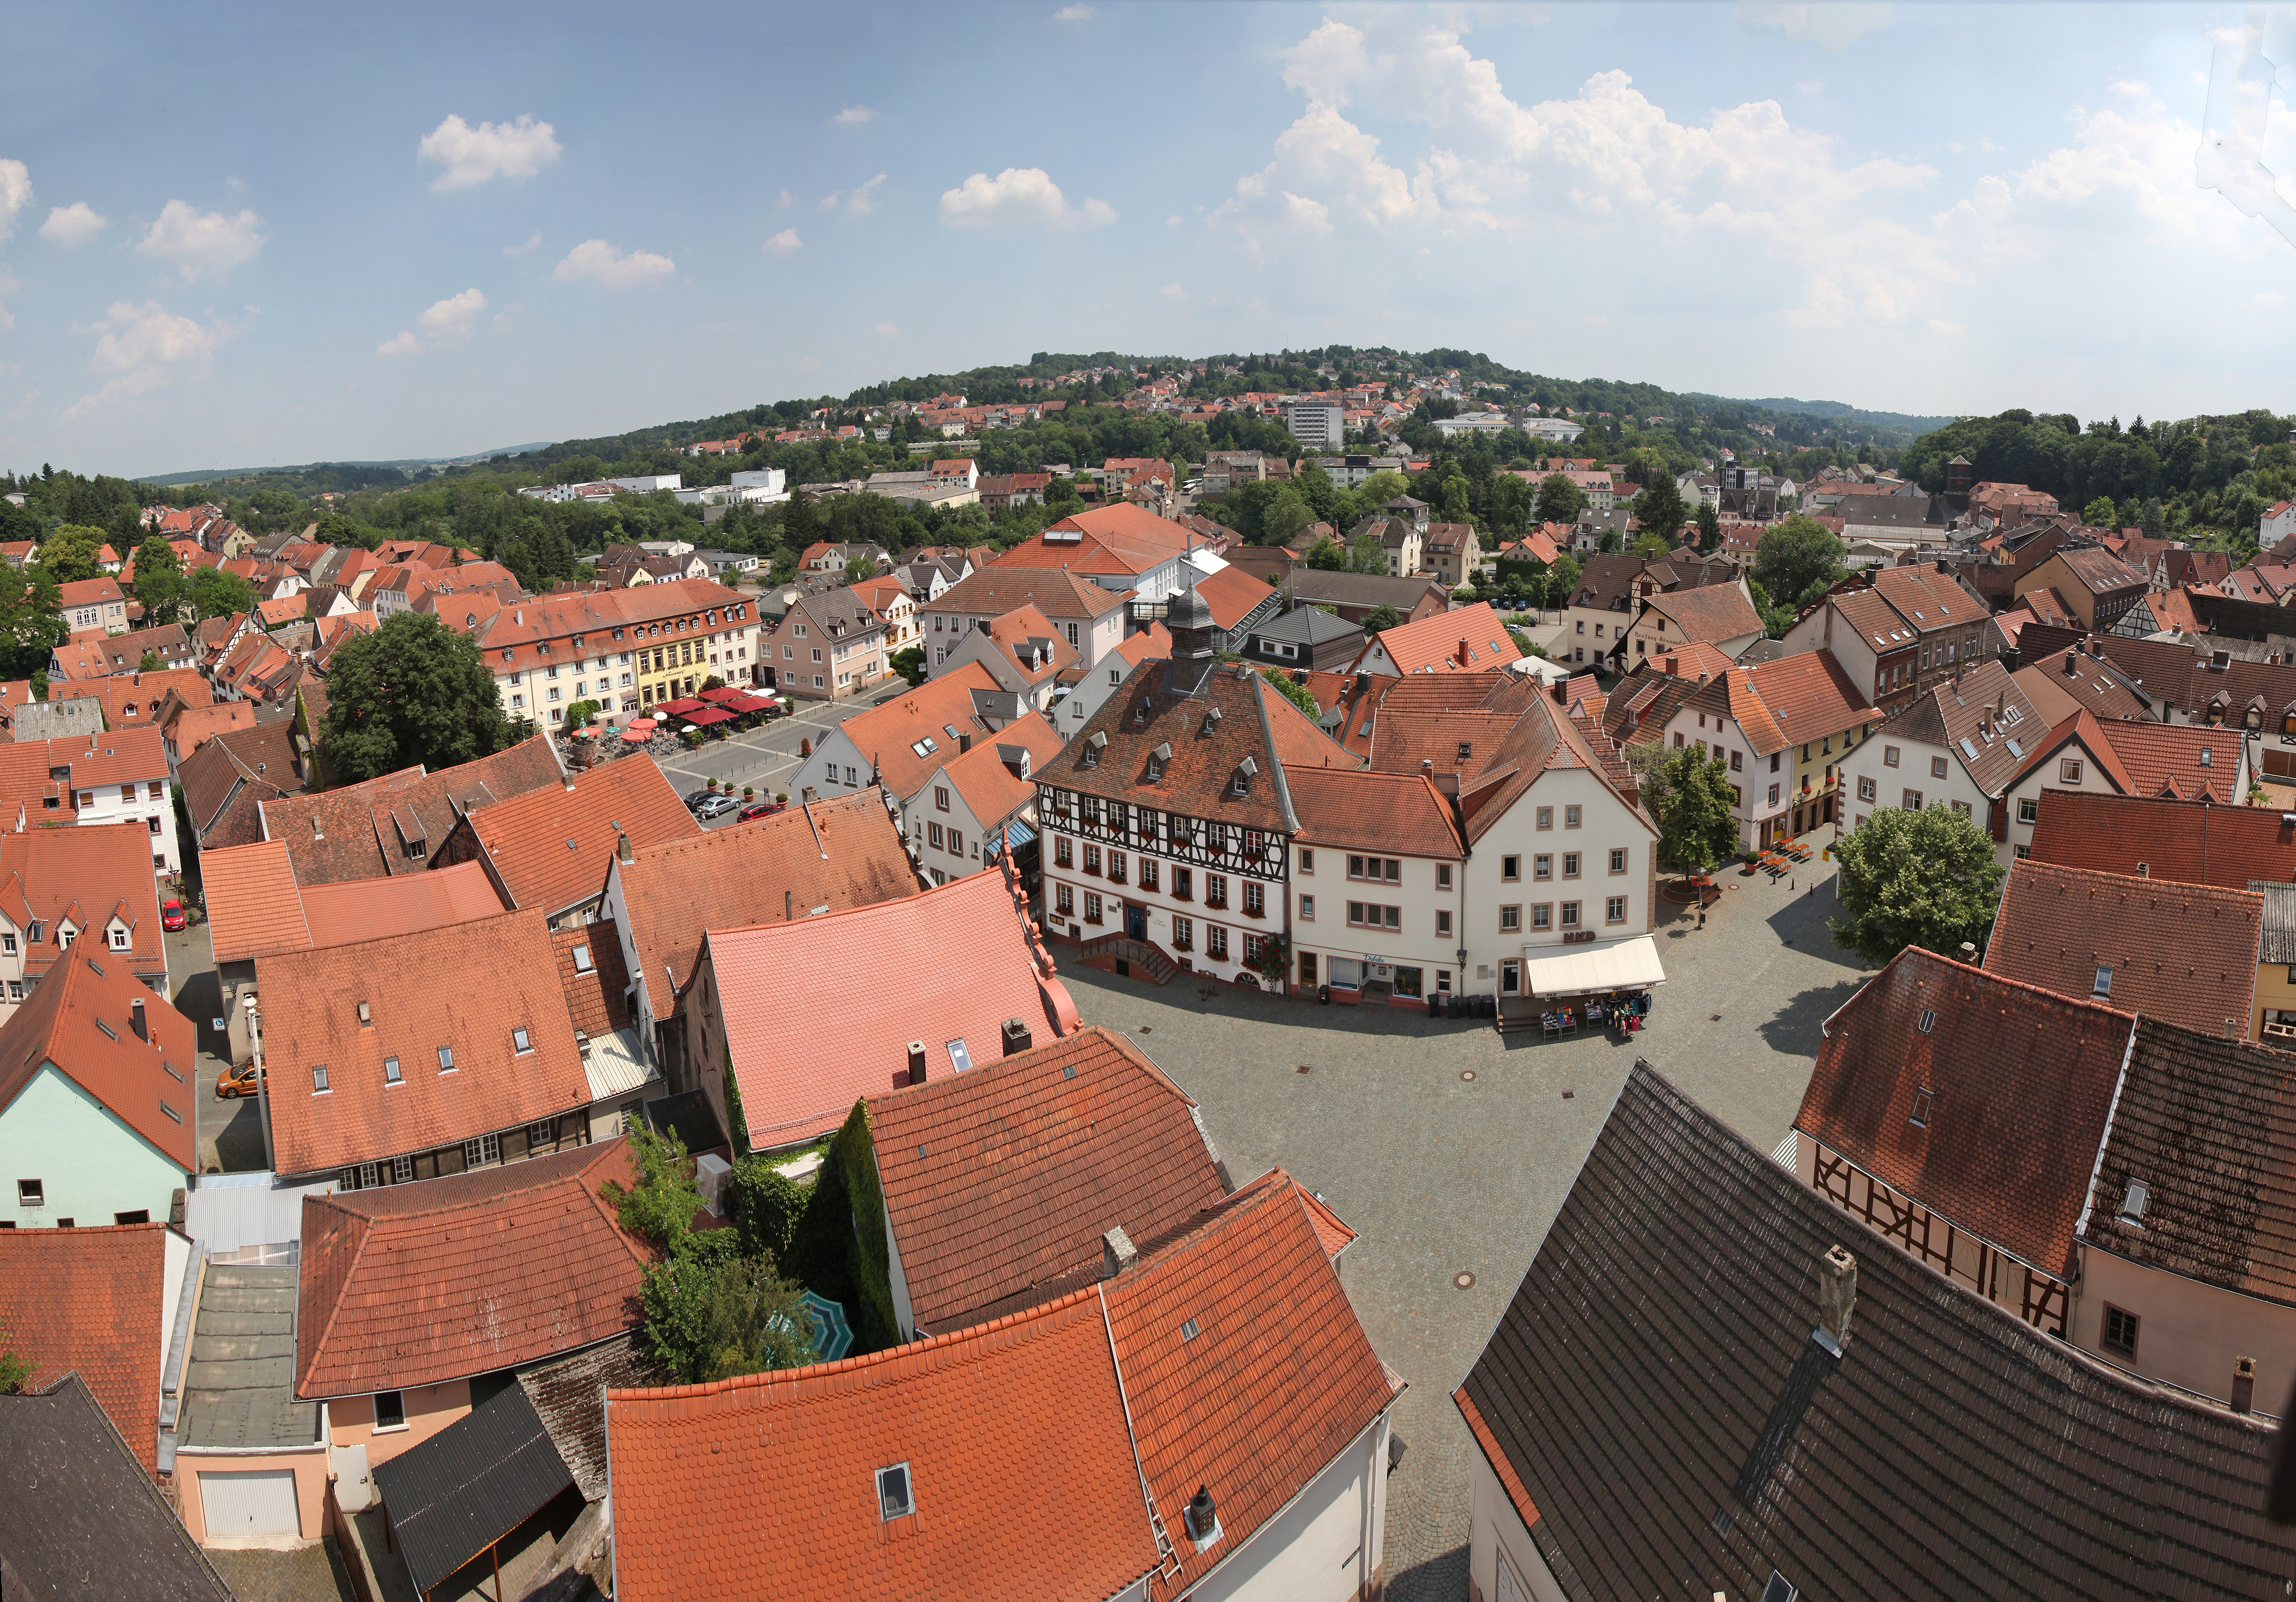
1710	613
2021	1084
1362	809
2185	760
90	1299
465	986
412	1285
79	1021
1000	1183
839	853
1469	639
1232	593
255	910
886	735
985	775
133	700
547	850
2058	926
967	962
253	906
367	830
2191	842
1018	1425
1120	539
88	876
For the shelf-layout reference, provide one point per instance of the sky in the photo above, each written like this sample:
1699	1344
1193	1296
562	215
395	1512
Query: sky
236	235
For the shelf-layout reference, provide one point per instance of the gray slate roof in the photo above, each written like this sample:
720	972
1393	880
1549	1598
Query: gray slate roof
2279	922
1307	626
1656	1386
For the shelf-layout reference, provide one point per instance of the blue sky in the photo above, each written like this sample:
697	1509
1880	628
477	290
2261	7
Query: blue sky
241	235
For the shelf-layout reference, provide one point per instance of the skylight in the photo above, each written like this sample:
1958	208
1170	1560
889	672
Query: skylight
2133	1205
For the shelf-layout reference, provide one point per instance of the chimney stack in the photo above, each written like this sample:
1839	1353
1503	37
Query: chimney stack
1969	952
1117	1253
622	852
1837	1297
916	1062
136	1020
2243	1384
964	744
2071	657
1202	1519
1017	1038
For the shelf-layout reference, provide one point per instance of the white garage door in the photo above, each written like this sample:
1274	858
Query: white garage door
241	1506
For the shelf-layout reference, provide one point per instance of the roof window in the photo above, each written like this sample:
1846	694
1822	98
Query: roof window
446	1059
582	960
366	1014
2101	989
390	1071
959	1058
895	1497
1929	1020
1923	1100
520	1041
1189	1331
318	1079
2133	1205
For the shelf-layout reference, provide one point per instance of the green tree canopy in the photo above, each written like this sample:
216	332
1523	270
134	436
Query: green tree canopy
213	593
72	554
660	1206
413	691
1562	580
1689	795
860	571
1293	691
1926	879
2101	513
712	1314
1796	561
1560	501
1660	510
1709	527
1380	618
159	580
1327	555
31	618
1287	517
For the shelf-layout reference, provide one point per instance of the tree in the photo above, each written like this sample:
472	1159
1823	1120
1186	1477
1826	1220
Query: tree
910	663
660	1206
212	592
2100	513
1660	508
1366	553
1287	517
1689	795
1562	580
73	554
150	663
14	1371
1925	878
412	691
159	580
1327	555
712	1314
31	618
1796	561
1293	691
1709	527
1380	618
860	571
767	1206
1560	501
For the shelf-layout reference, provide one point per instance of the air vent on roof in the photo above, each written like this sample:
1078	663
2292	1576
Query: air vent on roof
2144	869
2133	1205
1929	1018
367	1015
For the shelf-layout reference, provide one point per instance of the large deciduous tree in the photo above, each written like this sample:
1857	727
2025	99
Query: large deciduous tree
1796	561
1926	879
72	554
1660	510
212	592
1560	501
412	691
31	621
1689	795
159	580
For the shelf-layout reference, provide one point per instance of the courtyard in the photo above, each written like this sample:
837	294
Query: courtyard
1450	1149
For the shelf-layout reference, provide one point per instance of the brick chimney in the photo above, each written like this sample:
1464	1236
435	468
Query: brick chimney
1117	1253
1837	1298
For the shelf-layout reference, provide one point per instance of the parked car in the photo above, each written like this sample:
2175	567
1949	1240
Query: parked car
240	1080
693	801
171	917
716	806
763	809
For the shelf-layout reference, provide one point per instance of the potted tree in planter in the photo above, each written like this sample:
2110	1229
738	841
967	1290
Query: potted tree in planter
749	794
1274	963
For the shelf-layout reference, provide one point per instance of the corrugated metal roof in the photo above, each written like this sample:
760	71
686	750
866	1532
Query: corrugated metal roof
2279	943
469	1485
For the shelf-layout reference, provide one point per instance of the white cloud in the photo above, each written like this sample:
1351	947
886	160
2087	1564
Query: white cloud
854	202
1173	291
887	330
446	322
9	285
1834	27
2269	300
73	224
202	242
852	116
492	150
15	192
784	243
808	363
1023	196
602	263
1073	14
144	347
532	241
1171	221
787	199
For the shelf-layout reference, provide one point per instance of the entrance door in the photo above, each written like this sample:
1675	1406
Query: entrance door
1510	978
1135	922
249	1506
1308	970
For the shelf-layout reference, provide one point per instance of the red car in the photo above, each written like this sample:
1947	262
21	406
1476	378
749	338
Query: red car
171	917
762	809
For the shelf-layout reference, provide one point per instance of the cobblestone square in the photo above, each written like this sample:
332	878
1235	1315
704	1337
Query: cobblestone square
1445	1176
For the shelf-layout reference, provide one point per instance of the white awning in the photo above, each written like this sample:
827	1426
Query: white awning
1586	969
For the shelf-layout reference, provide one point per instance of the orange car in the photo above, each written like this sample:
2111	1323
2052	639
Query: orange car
235	1081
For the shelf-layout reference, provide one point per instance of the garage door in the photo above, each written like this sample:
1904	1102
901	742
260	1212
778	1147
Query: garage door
241	1506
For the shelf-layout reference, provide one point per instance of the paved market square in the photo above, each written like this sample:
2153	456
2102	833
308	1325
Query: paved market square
1444	1175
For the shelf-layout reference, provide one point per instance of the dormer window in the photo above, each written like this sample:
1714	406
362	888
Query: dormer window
119	937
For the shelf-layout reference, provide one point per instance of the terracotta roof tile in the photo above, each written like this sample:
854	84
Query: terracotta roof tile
1710	613
596	982
839	853
548	848
968	962
2185	760
1363	810
227	780
1004	1180
253	907
985	775
359	830
2059	927
1122	539
466	987
2191	842
81	1019
412	1285
255	910
992	591
887	735
89	1299
1471	639
1232	593
2020	1082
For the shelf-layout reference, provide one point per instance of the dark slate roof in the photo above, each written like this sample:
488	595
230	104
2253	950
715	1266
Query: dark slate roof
1657	1410
455	1494
1309	625
80	1519
569	1394
2209	1126
1313	585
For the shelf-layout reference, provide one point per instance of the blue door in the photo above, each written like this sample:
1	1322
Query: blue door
1135	922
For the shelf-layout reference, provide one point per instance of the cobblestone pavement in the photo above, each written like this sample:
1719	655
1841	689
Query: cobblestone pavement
1443	1175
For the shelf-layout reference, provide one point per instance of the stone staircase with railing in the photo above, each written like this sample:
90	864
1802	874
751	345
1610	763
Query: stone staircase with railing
1139	958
